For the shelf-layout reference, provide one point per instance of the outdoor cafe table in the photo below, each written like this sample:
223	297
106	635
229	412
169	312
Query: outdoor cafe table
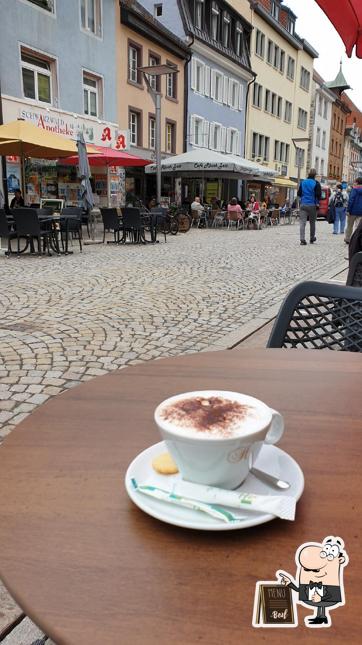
89	567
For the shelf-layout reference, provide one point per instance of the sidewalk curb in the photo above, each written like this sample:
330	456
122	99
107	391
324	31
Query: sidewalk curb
236	337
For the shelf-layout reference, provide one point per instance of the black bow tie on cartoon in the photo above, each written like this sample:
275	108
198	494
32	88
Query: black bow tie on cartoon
315	585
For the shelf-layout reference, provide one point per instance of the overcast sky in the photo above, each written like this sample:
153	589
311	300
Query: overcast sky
313	25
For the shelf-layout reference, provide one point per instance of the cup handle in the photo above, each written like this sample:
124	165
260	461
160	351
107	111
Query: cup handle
276	429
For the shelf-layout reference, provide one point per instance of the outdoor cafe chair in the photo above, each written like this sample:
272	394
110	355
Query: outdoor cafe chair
71	224
111	222
133	226
354	278
29	226
159	222
317	315
219	219
5	231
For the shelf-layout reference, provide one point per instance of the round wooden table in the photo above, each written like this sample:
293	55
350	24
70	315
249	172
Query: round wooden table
89	567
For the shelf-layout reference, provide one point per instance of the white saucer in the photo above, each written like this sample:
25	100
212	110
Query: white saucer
271	459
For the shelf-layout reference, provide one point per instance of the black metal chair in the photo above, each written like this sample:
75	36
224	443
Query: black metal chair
159	222
354	278
5	231
28	226
111	222
71	224
132	226
317	315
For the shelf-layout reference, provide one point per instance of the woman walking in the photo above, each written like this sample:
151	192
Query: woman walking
339	200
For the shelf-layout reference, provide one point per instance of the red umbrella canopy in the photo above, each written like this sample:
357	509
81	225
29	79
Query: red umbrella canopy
101	156
346	16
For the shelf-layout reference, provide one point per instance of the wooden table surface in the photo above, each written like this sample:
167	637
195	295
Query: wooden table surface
89	567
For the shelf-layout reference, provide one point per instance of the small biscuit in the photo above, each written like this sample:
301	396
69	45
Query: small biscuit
164	464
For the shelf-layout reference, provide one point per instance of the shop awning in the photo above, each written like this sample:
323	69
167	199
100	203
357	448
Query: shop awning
204	162
24	139
102	156
285	182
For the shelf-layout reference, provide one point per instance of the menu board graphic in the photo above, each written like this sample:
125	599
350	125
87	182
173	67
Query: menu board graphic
274	605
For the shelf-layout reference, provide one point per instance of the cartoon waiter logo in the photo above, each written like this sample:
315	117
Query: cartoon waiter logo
319	578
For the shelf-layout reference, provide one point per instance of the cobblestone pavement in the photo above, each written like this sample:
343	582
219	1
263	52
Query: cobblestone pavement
64	320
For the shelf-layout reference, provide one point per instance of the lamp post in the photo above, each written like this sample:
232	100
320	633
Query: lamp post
157	71
299	153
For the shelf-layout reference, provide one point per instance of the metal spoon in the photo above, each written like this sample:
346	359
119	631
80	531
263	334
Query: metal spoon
270	479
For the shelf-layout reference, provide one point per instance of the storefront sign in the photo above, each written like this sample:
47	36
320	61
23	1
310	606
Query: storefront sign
99	133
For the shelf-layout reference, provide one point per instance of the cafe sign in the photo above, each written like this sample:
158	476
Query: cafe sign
96	132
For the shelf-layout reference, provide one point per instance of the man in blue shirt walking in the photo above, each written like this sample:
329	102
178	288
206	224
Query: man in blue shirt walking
310	193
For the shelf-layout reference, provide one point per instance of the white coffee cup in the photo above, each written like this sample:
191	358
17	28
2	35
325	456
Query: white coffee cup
217	444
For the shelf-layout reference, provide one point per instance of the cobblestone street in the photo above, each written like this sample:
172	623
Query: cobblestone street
68	319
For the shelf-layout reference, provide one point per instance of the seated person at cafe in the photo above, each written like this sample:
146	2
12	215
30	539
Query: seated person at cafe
17	201
234	210
197	206
253	205
286	207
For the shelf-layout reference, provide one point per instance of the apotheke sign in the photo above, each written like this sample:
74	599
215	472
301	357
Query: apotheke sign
68	125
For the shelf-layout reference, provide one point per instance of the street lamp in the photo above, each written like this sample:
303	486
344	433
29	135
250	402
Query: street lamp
299	153
157	70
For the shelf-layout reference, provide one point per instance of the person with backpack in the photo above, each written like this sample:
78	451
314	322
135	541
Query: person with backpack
339	200
310	193
354	209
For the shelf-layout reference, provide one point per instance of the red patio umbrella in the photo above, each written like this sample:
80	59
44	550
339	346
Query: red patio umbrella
102	156
346	16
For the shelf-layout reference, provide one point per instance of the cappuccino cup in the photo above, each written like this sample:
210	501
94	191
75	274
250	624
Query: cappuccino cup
215	436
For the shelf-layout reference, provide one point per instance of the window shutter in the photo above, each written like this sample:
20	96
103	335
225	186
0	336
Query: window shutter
202	76
193	74
223	139
238	143
192	129
230	95
241	97
207	80
226	89
205	133
213	84
211	135
228	141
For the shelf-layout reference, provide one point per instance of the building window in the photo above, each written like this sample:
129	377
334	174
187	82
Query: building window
198	76
282	61
324	140
215	21
199	13
325	113
273	103
157	10
151	133
316	165
320	101
47	5
217	86
134	62
260	147
135	127
267	102
288	112
276	62
170	137
322	167
154	81
291	25
257	95
279	107
270	52
91	16
302	119
215	136
171	84
233	99
37	76
92	88
260	43
291	68
232	139
305	79
318	138
226	21
274	9
238	39
198	131
281	151
299	157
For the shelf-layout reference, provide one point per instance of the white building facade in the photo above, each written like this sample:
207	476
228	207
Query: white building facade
320	126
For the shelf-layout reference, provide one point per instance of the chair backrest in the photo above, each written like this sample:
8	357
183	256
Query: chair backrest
4	226
75	212
44	212
195	214
34	205
110	218
26	221
354	278
131	218
317	315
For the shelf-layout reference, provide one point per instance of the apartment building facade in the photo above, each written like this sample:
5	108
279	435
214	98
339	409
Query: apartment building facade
320	126
280	99
352	160
142	40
